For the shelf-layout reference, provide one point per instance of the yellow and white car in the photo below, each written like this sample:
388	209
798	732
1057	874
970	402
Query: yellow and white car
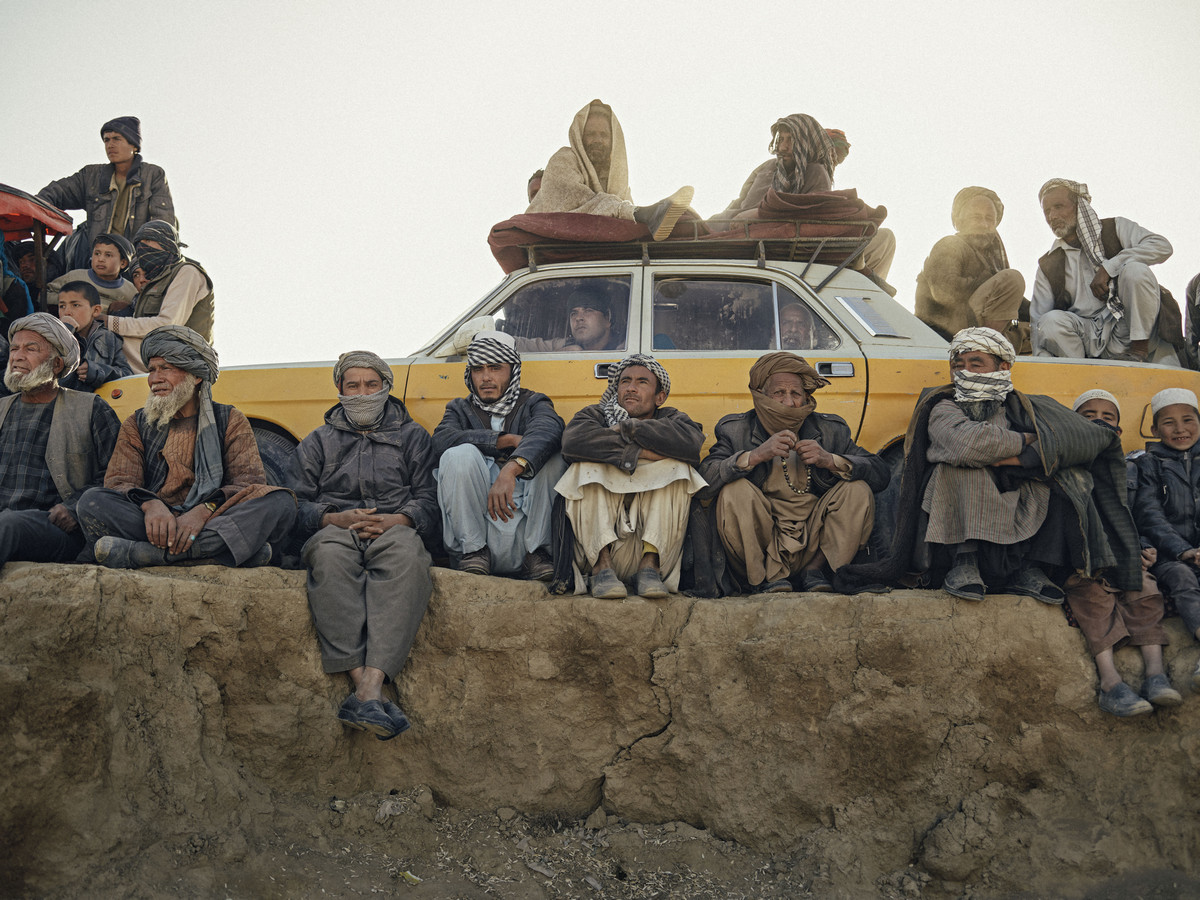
706	310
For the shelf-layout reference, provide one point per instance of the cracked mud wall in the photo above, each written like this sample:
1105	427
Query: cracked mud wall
145	708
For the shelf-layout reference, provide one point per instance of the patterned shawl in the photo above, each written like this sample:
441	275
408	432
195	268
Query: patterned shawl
975	386
490	348
810	143
1087	227
614	412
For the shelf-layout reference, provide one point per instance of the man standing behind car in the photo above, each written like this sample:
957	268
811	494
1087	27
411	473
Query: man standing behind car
119	196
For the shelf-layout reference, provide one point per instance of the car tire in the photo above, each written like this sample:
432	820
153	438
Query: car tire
276	451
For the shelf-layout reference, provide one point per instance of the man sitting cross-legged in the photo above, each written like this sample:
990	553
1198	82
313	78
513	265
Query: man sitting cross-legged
186	483
498	460
795	495
629	481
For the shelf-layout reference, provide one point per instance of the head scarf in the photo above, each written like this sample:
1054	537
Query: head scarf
490	348
152	260
810	143
185	349
614	412
1087	228
841	146
1097	394
129	127
773	415
60	338
1170	397
965	196
364	411
973	386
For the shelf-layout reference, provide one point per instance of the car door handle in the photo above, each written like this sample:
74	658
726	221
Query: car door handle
601	370
836	369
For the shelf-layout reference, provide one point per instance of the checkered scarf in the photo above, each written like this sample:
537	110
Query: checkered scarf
1087	226
487	351
974	386
810	143
614	412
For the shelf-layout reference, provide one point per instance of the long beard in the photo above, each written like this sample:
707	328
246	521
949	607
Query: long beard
161	409
979	410
38	378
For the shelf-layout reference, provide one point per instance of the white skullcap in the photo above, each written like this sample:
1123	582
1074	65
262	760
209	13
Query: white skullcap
1170	397
1096	394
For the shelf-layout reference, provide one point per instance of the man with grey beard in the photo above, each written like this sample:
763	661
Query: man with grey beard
54	444
186	484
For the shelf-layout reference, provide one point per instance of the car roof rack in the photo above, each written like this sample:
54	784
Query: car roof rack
788	240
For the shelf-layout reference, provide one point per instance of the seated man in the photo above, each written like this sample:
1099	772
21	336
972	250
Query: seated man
498	461
103	352
966	280
590	323
119	196
976	499
368	509
798	521
1110	618
1094	295
54	444
111	254
534	184
799	331
629	481
185	483
179	292
592	176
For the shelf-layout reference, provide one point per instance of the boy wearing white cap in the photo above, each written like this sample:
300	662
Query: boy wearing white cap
1166	509
1110	618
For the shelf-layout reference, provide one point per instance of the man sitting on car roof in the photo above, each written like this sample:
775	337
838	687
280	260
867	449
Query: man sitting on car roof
1094	295
592	176
629	481
498	461
794	493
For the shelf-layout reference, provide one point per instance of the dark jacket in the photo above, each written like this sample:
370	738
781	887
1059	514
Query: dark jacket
740	432
533	418
1168	499
105	355
668	432
337	468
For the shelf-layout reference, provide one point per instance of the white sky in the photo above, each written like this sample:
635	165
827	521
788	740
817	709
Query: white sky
336	167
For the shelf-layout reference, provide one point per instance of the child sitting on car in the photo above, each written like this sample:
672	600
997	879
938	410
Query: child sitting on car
111	254
102	356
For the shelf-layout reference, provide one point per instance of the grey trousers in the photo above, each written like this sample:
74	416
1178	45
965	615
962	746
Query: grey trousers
367	597
26	534
230	538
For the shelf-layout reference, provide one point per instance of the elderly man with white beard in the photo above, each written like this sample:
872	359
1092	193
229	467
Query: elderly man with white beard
54	444
186	484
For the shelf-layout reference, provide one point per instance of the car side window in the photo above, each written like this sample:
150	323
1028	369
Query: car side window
572	314
722	314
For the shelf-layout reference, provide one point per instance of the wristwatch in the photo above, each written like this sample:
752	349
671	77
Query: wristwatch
522	462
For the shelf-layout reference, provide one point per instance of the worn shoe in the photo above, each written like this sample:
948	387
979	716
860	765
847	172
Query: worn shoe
261	557
780	586
367	715
1157	689
478	562
119	553
1122	701
650	585
537	566
813	581
1032	582
965	582
660	218
607	586
399	720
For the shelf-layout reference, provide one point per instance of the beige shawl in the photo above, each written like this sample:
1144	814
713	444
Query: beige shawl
572	185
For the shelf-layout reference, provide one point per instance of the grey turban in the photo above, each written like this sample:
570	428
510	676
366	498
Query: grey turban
57	335
184	349
362	359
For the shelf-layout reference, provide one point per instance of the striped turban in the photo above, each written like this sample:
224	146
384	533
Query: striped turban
494	348
973	386
614	412
364	411
57	335
1087	228
185	349
773	415
810	143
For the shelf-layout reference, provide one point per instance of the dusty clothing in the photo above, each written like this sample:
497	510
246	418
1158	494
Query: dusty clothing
118	289
1110	618
816	179
668	432
967	281
104	353
94	189
571	183
182	295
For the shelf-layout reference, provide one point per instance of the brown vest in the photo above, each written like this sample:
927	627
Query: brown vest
150	300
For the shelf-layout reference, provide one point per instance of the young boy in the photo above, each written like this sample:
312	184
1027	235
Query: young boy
111	254
1110	618
102	352
1166	509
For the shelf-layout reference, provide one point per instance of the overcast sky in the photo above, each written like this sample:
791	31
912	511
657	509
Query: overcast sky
336	167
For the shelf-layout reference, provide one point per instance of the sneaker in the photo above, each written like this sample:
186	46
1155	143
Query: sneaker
965	582
537	566
119	553
399	720
478	562
650	584
1157	689
367	715
813	581
779	586
1122	701
1032	582
660	218
607	586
